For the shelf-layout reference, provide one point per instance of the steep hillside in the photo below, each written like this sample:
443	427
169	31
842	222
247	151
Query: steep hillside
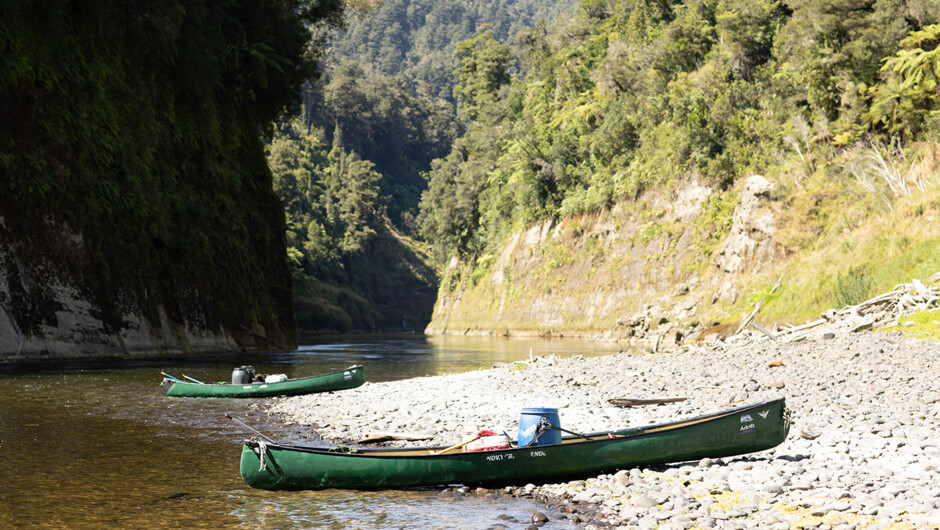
350	166
611	184
136	207
414	40
654	271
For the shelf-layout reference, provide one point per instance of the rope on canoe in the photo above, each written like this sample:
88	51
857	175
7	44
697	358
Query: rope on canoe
545	426
263	448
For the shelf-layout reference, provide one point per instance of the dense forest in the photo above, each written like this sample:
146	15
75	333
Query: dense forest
495	114
414	40
134	185
634	94
200	138
351	162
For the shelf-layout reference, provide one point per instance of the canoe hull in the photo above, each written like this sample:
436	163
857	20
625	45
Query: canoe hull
738	431
341	380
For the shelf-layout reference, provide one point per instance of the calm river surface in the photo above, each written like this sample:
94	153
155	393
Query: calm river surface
84	447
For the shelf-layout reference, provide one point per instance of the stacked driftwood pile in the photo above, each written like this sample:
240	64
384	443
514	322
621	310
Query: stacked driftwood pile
881	311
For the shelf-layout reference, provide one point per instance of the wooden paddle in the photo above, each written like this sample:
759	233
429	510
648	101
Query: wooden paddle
457	446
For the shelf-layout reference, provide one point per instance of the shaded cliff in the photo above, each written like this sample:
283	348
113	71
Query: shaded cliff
136	207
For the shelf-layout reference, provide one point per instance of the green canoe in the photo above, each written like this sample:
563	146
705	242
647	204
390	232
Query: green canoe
272	466
349	378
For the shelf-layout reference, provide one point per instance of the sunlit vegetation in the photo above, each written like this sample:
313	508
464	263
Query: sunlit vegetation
629	95
351	163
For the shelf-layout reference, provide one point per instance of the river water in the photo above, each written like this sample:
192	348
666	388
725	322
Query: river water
86	446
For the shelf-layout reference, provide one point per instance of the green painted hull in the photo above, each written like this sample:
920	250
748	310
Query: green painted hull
728	433
341	380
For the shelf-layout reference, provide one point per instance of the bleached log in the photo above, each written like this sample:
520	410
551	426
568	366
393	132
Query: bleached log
758	327
631	402
803	327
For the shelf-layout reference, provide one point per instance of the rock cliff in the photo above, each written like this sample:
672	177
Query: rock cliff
57	303
645	272
137	213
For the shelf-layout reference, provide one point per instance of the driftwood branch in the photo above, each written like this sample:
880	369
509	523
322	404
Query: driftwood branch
757	309
628	402
879	311
758	327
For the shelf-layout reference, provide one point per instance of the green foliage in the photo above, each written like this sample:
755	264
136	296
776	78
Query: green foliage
853	288
908	96
629	94
483	69
349	266
922	325
136	125
331	198
713	224
380	120
414	40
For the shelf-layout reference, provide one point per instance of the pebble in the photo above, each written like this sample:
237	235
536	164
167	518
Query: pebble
865	412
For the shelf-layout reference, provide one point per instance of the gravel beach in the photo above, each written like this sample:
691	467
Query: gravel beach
863	449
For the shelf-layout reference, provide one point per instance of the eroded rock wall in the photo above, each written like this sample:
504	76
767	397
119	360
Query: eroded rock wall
54	305
632	273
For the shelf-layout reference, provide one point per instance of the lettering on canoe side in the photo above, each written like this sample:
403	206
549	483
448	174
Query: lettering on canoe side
495	458
537	453
748	428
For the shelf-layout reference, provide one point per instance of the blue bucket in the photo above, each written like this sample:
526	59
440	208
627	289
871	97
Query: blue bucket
529	424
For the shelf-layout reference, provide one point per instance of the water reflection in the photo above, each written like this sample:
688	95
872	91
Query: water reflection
336	509
90	446
403	356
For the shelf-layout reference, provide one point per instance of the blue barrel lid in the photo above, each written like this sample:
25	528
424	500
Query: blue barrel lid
539	410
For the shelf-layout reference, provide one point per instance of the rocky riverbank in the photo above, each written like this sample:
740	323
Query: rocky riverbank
863	451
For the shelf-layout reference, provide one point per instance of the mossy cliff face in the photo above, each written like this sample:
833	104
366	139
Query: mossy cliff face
54	304
645	272
136	206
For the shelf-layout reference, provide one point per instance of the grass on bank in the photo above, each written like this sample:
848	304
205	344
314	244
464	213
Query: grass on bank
835	244
845	247
921	325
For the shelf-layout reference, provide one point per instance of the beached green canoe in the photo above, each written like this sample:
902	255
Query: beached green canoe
341	380
272	466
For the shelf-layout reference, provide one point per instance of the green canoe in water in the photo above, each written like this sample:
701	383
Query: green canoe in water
349	378
272	466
